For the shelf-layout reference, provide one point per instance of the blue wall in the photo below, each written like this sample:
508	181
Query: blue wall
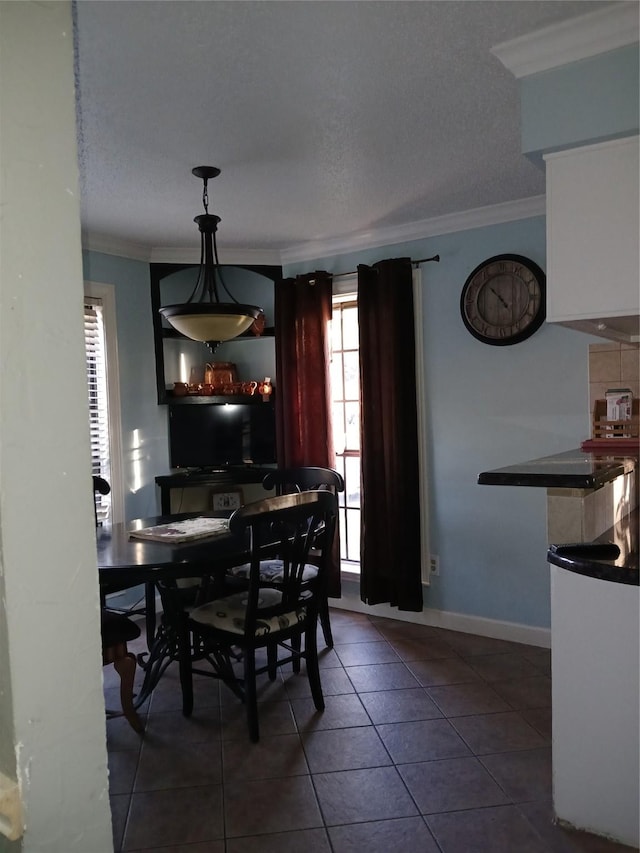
488	407
144	430
581	102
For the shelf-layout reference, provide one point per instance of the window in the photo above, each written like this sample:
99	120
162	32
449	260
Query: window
103	396
98	401
345	383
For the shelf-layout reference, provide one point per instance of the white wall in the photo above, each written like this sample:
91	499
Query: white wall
53	713
596	707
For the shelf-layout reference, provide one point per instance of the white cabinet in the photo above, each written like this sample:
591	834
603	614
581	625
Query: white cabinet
593	239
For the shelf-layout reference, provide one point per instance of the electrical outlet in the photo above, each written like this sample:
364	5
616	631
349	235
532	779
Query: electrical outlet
227	500
434	565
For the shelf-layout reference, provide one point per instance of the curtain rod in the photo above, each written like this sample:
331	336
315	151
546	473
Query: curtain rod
414	263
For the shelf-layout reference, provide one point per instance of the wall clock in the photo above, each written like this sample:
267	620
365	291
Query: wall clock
504	300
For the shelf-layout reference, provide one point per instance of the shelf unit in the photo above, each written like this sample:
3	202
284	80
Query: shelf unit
223	479
217	399
162	333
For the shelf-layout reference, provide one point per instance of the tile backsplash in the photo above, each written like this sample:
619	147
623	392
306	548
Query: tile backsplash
613	365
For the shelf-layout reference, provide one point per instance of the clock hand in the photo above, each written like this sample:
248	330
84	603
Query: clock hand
499	297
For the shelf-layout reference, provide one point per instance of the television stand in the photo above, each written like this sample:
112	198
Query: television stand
189	478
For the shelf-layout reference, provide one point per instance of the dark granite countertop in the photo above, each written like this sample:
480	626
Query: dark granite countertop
598	559
573	469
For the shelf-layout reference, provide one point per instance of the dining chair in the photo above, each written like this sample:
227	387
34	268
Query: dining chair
289	481
116	630
148	609
274	616
102	487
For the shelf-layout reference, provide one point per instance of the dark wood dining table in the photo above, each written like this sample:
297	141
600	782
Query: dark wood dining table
125	561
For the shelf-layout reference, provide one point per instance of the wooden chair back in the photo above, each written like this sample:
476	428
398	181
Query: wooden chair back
285	527
286	480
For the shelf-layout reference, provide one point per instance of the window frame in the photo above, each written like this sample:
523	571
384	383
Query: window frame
345	294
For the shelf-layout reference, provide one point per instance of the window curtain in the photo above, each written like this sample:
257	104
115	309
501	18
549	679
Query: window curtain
390	553
302	307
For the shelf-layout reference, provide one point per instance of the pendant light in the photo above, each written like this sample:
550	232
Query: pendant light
203	317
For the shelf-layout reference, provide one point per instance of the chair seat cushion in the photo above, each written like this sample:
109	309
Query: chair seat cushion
228	613
117	628
271	571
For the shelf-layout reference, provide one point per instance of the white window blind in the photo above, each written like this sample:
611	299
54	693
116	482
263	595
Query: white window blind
95	347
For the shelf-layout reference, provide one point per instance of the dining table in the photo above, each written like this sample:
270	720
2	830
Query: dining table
126	561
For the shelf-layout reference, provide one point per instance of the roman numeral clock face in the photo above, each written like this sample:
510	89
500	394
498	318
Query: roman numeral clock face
504	300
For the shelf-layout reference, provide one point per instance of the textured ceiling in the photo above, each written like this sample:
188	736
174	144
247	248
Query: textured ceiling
327	119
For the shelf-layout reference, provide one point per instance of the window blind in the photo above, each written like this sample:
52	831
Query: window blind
95	349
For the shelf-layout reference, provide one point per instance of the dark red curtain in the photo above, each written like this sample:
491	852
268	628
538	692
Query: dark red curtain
302	307
390	556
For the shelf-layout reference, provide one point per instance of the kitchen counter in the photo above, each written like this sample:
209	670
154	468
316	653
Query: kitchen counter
587	493
592	519
573	469
595	662
598	558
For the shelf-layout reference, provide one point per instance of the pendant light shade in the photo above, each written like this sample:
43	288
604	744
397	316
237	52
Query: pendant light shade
200	323
204	317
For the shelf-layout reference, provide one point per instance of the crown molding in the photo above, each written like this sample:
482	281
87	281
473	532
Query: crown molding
597	32
479	217
94	242
450	223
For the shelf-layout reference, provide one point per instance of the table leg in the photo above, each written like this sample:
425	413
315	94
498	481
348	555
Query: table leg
150	611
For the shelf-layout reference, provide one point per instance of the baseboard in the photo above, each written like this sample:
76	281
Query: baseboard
514	632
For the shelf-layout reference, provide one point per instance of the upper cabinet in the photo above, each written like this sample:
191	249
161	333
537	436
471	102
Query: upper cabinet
593	239
176	355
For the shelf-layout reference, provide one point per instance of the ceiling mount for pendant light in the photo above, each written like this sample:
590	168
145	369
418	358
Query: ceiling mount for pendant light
203	317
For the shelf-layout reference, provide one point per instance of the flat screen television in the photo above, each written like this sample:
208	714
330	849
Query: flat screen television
218	436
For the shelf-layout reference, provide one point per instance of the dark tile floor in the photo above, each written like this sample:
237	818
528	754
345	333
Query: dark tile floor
431	741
